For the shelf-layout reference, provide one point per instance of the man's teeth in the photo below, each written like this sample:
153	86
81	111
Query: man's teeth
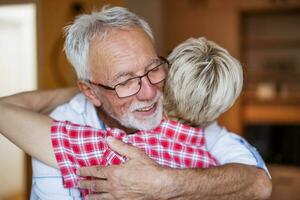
146	108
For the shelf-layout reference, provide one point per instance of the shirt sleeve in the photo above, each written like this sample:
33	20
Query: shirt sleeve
228	148
76	146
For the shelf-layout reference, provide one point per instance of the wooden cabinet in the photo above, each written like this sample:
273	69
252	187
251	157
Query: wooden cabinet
271	53
271	114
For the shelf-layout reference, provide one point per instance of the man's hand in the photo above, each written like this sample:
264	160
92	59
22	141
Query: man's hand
138	178
141	178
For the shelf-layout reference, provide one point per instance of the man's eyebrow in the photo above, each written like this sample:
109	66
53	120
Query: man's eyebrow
121	74
152	61
131	74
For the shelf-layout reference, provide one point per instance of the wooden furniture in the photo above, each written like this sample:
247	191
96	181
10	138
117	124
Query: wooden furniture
271	114
270	49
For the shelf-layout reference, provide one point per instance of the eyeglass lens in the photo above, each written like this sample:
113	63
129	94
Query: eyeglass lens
132	86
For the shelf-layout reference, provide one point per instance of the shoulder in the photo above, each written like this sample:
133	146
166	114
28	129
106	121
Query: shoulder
229	147
78	110
214	133
71	110
220	140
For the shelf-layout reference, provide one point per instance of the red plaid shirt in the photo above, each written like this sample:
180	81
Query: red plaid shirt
171	144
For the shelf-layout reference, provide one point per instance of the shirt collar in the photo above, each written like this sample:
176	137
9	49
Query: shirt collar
79	103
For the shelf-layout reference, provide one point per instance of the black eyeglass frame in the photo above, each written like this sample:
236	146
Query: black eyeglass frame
140	77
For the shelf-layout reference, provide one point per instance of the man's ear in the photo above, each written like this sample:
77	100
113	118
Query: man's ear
86	89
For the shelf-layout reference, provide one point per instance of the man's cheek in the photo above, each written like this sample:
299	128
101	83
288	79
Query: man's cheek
120	109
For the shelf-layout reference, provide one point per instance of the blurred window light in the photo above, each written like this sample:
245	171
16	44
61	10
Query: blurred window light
18	72
17	48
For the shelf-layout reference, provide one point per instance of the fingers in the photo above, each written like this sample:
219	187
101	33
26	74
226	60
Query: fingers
102	196
123	148
95	185
94	171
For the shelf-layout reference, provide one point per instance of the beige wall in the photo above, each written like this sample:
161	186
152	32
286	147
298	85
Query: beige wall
12	170
153	11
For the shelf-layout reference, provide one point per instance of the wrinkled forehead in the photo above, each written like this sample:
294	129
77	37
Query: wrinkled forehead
121	52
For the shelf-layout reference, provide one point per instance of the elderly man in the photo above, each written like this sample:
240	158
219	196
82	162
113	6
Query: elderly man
113	54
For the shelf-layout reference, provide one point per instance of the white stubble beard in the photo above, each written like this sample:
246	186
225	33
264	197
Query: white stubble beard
129	120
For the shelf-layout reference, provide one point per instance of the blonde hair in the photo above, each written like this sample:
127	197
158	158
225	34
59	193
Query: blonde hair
203	82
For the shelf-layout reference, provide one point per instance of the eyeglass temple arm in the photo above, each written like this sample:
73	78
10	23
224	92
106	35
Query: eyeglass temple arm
99	84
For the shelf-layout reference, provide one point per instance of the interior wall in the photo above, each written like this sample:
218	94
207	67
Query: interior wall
153	11
218	21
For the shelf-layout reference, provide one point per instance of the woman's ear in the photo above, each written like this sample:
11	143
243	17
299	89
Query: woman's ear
86	89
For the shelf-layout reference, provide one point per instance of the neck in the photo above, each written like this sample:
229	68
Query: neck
111	122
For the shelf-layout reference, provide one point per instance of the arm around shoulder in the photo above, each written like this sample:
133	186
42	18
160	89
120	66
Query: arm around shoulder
43	101
227	182
28	130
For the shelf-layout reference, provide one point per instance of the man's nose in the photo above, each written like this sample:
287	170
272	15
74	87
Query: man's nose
147	91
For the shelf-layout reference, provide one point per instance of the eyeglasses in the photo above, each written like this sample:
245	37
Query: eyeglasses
133	85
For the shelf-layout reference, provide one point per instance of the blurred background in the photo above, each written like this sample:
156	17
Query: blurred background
263	34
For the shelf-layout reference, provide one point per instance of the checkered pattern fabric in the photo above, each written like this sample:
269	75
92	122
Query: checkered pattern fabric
171	144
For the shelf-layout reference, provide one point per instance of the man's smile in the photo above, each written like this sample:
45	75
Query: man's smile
146	111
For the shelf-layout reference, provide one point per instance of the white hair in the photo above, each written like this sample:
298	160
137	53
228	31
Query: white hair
85	27
203	82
